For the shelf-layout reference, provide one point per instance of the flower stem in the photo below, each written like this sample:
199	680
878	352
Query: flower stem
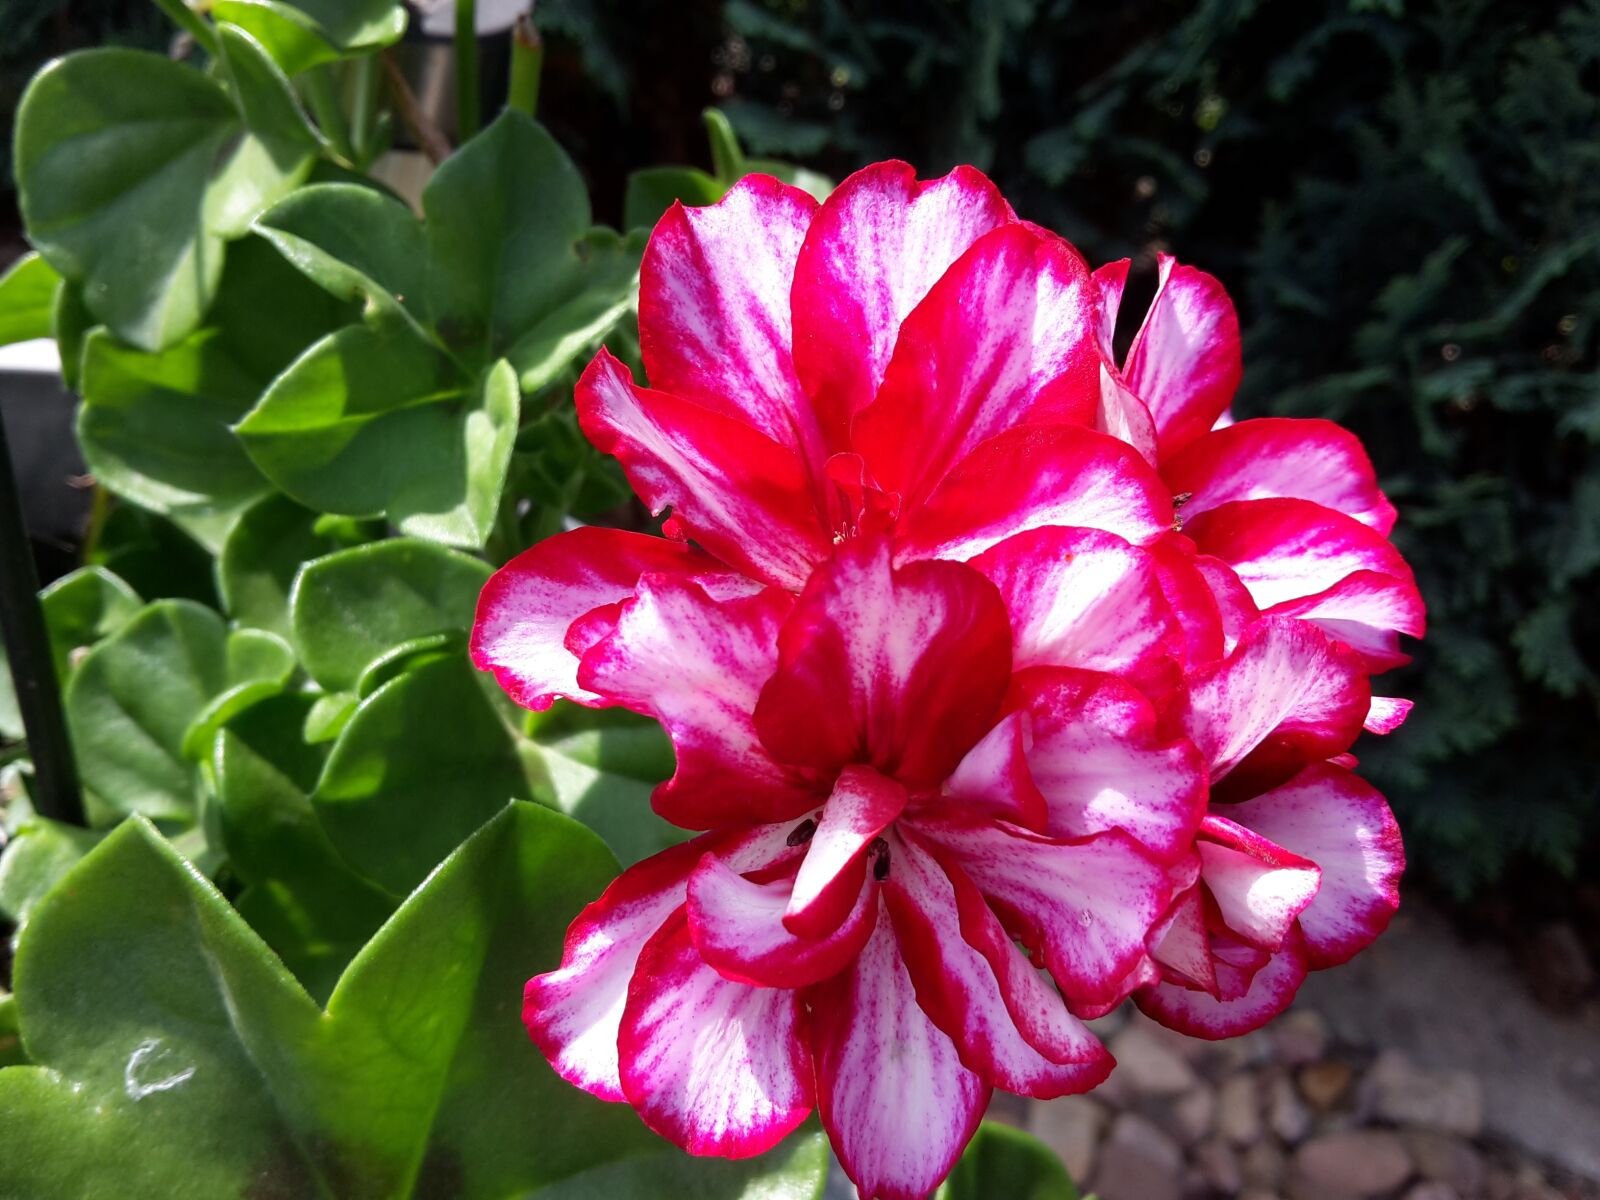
325	107
363	110
527	65
33	673
466	70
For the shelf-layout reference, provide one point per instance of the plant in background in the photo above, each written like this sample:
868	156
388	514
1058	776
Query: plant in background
980	652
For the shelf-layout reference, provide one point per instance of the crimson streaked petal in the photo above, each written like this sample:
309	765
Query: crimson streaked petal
862	805
1098	761
1387	713
1005	337
903	668
958	988
1087	905
876	246
1289	457
1198	1014
715	1066
1180	944
1037	475
1287	692
1367	611
1082	598
748	500
737	926
1184	362
1112	280
1122	415
895	1099
1344	825
697	665
714	315
528	605
1259	887
1189	595
994	778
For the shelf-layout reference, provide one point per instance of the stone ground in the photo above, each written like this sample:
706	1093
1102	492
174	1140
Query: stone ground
1423	1070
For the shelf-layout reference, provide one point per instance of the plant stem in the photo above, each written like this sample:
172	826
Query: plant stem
527	65
422	129
466	69
325	107
32	671
191	23
363	109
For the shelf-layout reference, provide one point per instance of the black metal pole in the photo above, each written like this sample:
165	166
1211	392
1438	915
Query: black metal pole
55	774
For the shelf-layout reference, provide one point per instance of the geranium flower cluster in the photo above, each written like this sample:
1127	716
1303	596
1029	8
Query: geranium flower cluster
1006	680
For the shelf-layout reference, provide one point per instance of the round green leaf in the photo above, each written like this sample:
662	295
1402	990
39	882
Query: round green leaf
178	1058
27	300
303	34
653	190
133	699
259	665
41	853
423	761
260	558
115	150
352	607
1004	1161
796	1169
606	291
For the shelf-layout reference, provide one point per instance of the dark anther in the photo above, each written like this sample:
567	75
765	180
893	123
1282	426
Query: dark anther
878	851
801	833
1181	499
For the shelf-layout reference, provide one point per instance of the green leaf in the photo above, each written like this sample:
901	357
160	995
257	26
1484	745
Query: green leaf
11	1053
505	215
177	1057
794	1170
600	766
356	243
79	610
814	183
352	607
27	300
308	32
300	896
41	853
260	558
608	292
259	664
374	421
70	323
132	169
157	558
653	190
727	156
133	699
1004	1161
423	761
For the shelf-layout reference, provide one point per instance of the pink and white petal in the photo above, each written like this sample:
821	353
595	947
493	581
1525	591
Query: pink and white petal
1037	475
1005	337
993	778
528	606
1097	759
737	926
895	1099
748	500
1086	905
1112	280
1287	691
1188	593
1387	713
714	315
574	1012
1082	598
1198	1014
863	804
1366	610
1184	362
873	250
697	666
1344	825
958	989
1235	605
1259	887
1123	415
1181	945
1287	550
903	668
714	1066
1288	457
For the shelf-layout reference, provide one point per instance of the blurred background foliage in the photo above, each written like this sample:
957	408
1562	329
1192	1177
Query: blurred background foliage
1402	197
